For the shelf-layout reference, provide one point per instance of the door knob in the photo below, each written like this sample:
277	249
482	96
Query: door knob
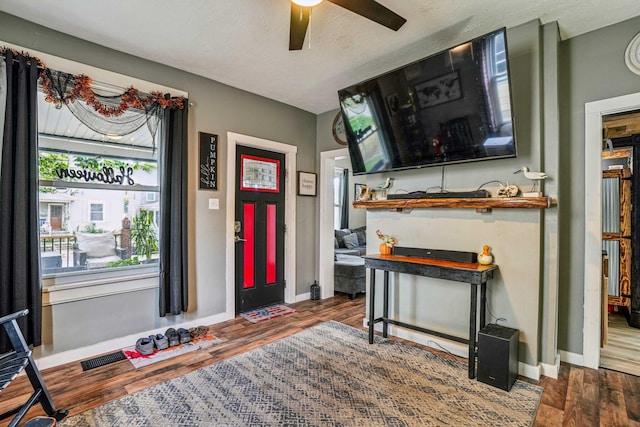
238	239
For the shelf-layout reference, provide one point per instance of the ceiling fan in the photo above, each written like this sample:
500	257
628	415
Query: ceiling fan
301	11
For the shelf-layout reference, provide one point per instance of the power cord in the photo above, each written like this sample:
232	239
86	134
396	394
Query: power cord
490	182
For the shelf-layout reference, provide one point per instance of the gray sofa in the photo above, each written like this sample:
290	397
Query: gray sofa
348	271
351	241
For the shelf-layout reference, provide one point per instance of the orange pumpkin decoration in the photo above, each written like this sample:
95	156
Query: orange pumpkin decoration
384	249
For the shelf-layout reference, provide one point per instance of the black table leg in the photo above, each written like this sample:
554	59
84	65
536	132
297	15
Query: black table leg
483	305
472	330
372	303
385	305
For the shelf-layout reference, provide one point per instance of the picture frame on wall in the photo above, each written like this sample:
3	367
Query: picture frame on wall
306	183
444	88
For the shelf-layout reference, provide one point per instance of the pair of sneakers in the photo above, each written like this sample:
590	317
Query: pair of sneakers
181	336
147	346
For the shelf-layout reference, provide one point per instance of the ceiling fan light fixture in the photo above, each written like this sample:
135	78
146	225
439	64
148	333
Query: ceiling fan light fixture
307	3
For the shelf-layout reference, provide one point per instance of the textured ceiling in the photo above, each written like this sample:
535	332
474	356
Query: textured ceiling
245	43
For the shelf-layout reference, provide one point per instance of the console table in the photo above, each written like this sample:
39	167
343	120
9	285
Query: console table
473	274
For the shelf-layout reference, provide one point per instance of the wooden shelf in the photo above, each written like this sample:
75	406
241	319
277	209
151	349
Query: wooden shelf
458	203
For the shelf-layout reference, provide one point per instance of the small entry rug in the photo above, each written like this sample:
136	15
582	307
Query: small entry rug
138	360
327	375
266	313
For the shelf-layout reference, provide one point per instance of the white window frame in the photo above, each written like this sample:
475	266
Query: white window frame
93	203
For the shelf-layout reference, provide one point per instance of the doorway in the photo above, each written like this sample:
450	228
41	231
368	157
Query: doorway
55	217
326	232
594	112
289	152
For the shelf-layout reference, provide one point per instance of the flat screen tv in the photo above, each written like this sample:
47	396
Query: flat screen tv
451	107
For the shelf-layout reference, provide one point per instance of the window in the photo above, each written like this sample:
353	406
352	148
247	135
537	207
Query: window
96	212
99	198
338	188
499	78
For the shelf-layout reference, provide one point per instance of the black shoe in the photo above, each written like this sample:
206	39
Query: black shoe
185	337
173	337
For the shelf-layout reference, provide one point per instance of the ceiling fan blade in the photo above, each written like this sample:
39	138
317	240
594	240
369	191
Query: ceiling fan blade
373	10
298	27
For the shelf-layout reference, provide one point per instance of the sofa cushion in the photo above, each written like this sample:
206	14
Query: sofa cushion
96	245
361	232
350	241
344	251
339	235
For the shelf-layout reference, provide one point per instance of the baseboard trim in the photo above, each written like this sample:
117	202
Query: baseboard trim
551	371
573	358
57	359
453	347
303	297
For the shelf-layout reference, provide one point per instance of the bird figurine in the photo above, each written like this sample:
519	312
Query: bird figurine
485	257
535	177
386	184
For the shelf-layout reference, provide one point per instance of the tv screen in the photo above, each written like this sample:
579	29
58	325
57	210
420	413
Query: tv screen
451	107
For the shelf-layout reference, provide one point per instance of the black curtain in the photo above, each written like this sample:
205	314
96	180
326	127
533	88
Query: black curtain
344	202
173	212
20	279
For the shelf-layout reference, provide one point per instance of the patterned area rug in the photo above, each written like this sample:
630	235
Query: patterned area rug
266	313
139	360
328	375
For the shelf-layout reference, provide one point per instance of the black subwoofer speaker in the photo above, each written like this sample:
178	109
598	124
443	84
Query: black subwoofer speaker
498	356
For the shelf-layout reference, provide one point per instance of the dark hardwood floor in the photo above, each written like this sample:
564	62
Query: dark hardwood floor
579	397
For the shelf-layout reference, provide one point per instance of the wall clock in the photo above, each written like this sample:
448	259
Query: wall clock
632	54
339	134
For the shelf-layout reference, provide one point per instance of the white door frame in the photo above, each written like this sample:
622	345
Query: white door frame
594	111
326	235
290	152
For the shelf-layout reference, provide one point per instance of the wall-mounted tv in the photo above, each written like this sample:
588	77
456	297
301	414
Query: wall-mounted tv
451	107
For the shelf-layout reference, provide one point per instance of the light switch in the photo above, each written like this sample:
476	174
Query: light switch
214	203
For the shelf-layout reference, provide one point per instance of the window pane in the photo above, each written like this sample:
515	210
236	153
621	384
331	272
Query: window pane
90	218
96	212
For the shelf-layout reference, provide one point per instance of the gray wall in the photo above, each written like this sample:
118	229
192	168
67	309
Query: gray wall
592	68
516	236
218	109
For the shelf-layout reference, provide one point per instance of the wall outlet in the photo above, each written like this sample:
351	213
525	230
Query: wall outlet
214	203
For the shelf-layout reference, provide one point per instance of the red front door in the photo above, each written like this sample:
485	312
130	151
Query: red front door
259	225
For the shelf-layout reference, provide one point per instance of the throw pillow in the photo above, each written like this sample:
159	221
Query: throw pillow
339	234
361	232
351	241
335	243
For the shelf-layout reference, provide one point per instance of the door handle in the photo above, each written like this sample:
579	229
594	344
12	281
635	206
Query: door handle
237	239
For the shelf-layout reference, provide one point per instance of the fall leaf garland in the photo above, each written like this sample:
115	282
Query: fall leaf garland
131	98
